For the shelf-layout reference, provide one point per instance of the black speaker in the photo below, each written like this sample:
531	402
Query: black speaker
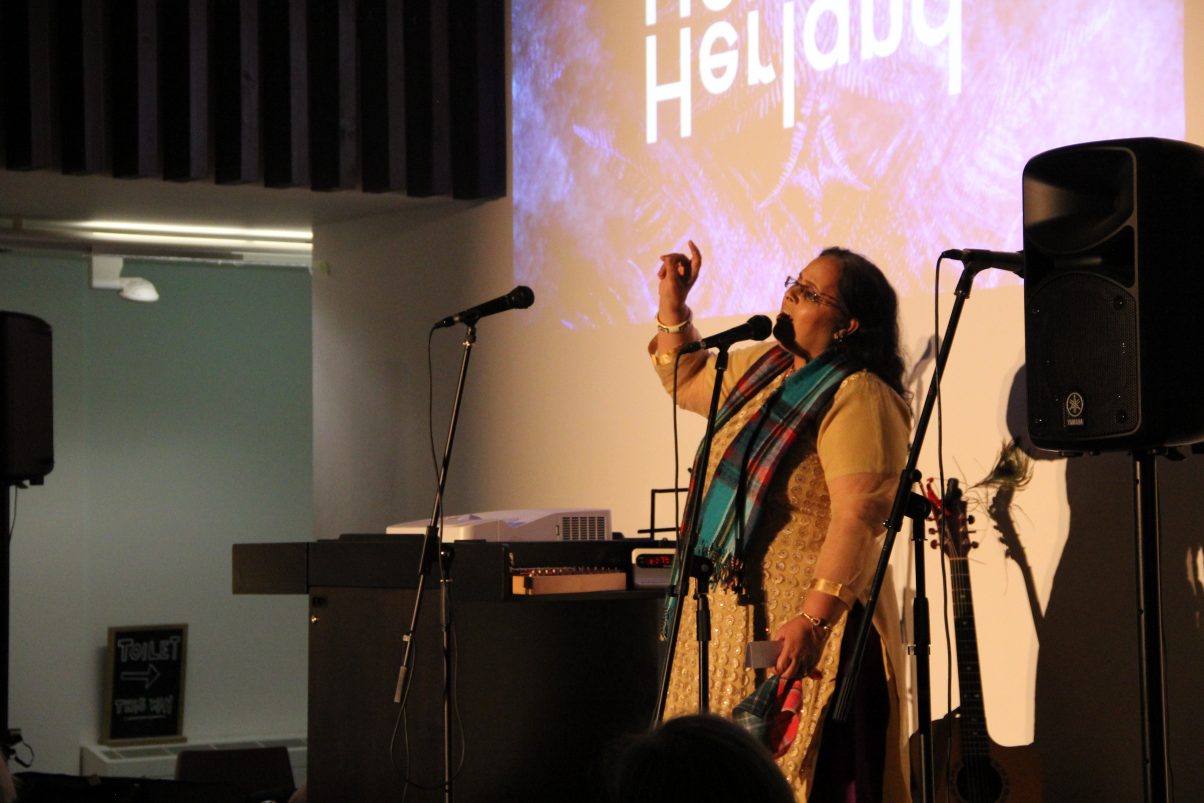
26	399
1114	295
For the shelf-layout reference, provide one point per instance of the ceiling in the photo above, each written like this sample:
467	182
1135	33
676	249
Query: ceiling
375	94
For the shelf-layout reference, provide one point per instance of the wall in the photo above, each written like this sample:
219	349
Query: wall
181	428
379	284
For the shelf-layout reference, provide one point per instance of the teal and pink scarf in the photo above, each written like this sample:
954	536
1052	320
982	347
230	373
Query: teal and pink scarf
732	503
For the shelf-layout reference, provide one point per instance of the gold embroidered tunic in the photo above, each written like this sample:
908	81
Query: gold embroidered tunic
864	432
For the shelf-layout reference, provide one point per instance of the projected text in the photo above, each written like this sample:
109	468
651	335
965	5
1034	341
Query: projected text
826	42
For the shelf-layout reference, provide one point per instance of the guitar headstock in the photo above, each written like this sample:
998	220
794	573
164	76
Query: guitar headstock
949	514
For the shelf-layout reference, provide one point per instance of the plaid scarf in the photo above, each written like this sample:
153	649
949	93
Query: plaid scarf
731	504
771	712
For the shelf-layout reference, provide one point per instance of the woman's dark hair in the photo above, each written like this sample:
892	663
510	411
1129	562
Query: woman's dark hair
867	296
695	759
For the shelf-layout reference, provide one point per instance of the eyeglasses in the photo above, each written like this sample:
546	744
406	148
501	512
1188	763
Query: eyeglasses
809	293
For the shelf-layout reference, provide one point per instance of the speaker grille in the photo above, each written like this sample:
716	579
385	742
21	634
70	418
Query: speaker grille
1082	356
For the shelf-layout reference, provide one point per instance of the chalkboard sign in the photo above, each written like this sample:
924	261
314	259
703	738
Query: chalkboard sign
144	684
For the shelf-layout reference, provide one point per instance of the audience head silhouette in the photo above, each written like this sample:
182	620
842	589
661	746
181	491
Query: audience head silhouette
693	759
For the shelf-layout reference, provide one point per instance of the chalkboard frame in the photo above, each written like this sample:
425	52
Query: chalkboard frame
174	731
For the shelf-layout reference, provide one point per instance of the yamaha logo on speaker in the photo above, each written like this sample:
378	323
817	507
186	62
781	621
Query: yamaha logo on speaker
1073	410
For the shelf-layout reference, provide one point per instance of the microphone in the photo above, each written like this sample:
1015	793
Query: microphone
520	297
1007	260
758	327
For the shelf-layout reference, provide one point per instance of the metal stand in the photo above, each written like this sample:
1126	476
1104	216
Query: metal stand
9	737
652	530
432	545
1155	762
691	567
901	507
921	647
6	740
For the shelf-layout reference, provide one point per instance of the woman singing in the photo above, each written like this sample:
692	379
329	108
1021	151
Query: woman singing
811	437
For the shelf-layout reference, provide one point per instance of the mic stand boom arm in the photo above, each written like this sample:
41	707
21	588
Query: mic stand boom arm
907	477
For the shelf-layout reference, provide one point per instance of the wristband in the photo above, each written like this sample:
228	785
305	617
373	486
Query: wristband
675	328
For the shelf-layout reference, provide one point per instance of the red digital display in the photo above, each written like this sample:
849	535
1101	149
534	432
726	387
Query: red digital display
653	561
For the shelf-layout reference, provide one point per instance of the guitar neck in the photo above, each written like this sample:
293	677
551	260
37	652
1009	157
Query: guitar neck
969	680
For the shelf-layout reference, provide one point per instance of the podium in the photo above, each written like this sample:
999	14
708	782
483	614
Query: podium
543	683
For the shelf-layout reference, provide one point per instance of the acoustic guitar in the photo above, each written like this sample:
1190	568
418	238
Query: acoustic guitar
968	766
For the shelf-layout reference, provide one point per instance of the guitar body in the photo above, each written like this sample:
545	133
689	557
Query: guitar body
1004	775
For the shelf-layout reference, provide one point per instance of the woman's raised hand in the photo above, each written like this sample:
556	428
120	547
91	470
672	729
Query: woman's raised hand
677	275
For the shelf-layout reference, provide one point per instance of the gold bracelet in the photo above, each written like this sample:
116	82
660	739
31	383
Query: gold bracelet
675	328
817	622
838	590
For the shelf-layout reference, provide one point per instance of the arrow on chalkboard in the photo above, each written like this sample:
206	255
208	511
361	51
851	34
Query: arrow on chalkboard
148	675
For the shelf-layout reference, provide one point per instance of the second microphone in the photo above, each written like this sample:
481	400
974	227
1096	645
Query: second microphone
757	327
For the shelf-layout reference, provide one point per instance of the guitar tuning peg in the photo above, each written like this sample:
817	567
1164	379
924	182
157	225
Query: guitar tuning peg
969	519
934	544
973	545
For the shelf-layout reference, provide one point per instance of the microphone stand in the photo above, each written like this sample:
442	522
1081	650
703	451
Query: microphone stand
917	509
432	544
903	493
699	568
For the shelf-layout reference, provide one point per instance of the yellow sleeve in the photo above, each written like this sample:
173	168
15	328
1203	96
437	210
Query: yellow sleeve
862	446
696	374
866	429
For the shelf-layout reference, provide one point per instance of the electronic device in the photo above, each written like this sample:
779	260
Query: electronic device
651	567
503	526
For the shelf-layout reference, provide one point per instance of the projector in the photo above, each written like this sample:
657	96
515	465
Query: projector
508	526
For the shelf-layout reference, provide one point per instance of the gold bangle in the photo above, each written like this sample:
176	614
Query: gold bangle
838	590
675	328
817	622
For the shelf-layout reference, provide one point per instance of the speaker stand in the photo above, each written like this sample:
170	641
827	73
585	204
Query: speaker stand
8	739
1155	764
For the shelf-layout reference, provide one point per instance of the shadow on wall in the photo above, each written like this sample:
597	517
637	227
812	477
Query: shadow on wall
1088	724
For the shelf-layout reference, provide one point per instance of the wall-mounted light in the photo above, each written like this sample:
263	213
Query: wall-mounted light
106	275
236	244
282	246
